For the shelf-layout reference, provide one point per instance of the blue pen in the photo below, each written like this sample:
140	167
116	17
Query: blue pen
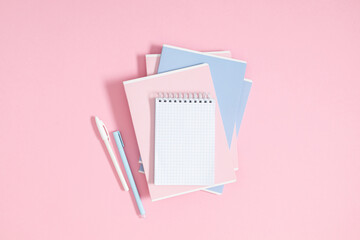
120	145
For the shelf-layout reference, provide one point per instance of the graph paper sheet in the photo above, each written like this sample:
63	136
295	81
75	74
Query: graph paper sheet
184	141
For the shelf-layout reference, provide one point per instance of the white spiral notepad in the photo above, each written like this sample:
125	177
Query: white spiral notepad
184	140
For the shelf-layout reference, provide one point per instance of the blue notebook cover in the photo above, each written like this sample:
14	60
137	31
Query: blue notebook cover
227	75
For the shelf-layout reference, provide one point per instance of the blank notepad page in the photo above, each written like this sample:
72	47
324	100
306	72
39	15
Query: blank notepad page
184	141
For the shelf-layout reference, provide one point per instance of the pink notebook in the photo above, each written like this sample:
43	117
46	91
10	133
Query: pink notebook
152	63
141	93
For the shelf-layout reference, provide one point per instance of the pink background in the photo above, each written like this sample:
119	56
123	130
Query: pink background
63	62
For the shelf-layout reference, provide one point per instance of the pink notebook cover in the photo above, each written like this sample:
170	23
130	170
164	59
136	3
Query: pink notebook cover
152	64
141	94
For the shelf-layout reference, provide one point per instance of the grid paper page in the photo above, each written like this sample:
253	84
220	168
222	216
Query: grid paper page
184	141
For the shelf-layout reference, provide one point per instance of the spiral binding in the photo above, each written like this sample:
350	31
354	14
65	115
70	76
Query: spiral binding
184	98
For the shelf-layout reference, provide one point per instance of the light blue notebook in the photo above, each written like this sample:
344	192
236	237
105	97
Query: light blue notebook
227	75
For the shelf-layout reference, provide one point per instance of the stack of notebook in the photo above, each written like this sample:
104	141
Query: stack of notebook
187	114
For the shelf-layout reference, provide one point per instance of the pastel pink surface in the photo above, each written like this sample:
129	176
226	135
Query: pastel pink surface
152	64
61	62
141	94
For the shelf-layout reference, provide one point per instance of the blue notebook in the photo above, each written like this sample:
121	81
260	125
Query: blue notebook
227	75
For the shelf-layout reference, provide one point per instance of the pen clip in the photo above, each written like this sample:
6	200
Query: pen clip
106	131
122	142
